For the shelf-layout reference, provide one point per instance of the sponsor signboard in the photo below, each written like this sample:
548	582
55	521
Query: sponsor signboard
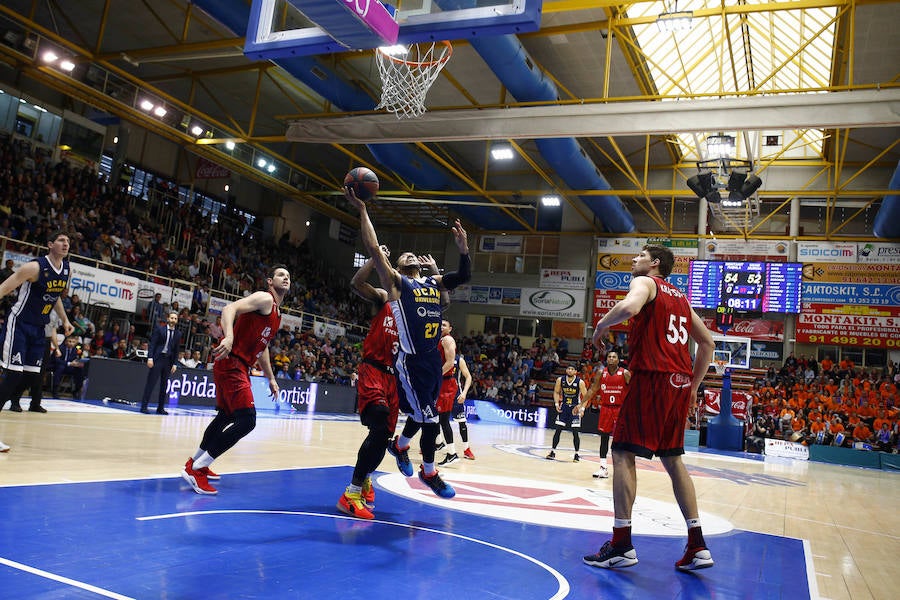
569	279
95	286
321	329
604	300
148	289
851	293
852	272
606	280
765	250
632	246
755	329
786	449
824	325
552	304
18	258
741	403
503	244
877	252
532	416
483	294
622	263
826	252
207	169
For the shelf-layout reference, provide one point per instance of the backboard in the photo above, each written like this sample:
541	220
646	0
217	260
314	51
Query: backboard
736	350
283	28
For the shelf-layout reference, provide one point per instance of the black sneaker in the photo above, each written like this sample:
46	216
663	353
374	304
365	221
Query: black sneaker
437	485
552	455
612	557
449	459
576	458
37	409
402	456
440	446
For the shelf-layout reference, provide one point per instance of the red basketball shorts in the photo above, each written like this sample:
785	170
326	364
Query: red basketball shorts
232	379
449	392
379	388
653	415
609	414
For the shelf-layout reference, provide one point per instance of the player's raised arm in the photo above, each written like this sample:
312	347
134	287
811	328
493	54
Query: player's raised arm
389	277
463	274
360	282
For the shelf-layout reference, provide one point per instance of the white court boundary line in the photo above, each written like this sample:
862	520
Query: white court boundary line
563	584
61	579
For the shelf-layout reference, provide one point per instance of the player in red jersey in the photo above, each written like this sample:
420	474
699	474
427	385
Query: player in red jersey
659	395
449	390
605	395
249	325
376	394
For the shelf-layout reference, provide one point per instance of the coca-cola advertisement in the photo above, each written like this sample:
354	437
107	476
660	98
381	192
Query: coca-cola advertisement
741	403
209	170
755	329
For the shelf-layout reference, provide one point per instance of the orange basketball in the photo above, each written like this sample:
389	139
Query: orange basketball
363	182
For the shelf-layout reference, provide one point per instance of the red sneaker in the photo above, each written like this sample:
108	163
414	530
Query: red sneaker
468	454
209	474
695	558
197	479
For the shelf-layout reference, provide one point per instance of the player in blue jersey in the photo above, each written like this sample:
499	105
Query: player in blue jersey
416	305
22	343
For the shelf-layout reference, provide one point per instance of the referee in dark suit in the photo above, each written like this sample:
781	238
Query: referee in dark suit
161	360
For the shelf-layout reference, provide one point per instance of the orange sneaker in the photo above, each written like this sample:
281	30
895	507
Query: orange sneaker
368	493
351	503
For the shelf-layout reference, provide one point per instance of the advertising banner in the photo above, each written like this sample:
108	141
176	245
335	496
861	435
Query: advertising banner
95	286
207	169
123	381
764	250
216	305
786	449
291	322
460	294
632	246
321	329
851	293
606	280
604	300
568	279
741	402
767	351
755	329
531	416
622	263
552	304
148	289
878	252
511	296
874	327
826	252
503	244
18	258
852	272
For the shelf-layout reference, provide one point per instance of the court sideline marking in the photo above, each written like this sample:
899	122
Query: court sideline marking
61	579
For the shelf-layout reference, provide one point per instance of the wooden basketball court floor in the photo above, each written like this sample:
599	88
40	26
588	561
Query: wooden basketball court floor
91	506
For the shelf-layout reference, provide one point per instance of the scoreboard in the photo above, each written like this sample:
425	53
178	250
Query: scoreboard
746	286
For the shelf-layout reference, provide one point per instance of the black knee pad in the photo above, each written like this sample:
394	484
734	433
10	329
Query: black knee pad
244	420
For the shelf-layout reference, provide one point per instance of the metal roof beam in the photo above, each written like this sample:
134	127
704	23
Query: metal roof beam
868	108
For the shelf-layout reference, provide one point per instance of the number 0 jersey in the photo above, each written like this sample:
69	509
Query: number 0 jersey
659	333
37	298
418	314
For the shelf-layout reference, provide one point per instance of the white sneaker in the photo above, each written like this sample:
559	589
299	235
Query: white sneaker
4	447
601	474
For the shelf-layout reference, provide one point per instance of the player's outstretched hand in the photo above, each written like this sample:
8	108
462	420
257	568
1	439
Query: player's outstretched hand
350	195
224	348
461	237
427	261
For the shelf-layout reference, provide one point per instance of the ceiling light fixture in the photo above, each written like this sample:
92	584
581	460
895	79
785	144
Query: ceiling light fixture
674	20
550	200
720	146
502	153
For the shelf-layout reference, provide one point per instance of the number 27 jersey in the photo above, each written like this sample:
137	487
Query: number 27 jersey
659	335
418	314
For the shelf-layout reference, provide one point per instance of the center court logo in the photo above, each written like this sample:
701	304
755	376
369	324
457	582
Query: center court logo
547	503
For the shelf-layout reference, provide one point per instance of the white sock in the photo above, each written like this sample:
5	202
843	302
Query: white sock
198	453
451	448
603	461
354	489
204	460
617	523
692	522
428	468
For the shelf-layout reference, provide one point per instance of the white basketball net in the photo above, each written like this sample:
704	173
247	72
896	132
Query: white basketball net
720	366
407	76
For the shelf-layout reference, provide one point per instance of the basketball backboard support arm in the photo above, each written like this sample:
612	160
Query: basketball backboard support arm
280	28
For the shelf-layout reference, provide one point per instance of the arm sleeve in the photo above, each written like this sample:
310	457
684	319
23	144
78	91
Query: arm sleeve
461	275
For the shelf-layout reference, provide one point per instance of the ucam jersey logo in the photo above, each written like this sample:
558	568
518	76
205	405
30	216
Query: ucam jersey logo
548	503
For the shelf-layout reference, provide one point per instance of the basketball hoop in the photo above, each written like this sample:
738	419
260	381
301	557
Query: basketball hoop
407	75
720	366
